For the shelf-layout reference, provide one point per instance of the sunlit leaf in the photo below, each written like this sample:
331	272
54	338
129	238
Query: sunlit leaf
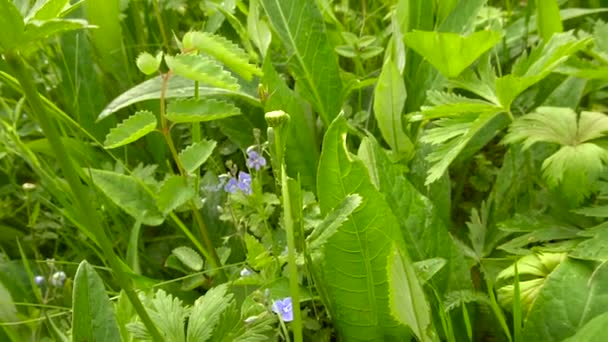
131	129
202	69
196	154
11	25
199	110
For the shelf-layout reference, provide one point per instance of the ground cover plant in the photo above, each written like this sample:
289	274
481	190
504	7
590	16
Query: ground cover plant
265	170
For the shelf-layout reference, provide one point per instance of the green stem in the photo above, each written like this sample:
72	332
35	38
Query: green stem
161	25
79	191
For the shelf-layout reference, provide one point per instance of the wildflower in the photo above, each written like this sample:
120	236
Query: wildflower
39	280
244	182
283	308
245	272
58	278
231	186
255	160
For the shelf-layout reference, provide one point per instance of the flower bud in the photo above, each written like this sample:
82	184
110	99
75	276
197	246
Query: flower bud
276	118
147	63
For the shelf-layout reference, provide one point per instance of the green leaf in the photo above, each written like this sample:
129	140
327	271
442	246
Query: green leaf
174	192
427	268
572	295
131	129
206	313
311	57
92	317
38	30
199	110
189	257
355	262
202	69
595	248
258	29
177	87
424	230
302	151
329	226
11	26
129	194
147	63
195	155
406	297
451	53
169	316
230	54
389	100
548	20
49	10
594	330
449	104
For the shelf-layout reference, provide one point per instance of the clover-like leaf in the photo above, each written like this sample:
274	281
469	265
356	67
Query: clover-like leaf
202	69
131	129
198	110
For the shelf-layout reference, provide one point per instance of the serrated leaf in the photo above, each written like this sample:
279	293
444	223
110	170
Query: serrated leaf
11	25
174	192
199	110
309	52
195	155
389	100
202	69
131	129
128	194
93	318
206	313
333	221
225	51
449	104
189	257
451	53
177	87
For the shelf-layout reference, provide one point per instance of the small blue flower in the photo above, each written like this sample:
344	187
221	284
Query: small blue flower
231	186
244	182
255	160
283	308
39	280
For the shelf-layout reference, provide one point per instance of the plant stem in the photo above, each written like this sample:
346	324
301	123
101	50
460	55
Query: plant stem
25	77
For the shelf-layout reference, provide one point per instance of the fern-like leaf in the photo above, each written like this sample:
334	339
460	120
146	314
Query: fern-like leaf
225	51
196	154
202	69
449	104
131	129
199	110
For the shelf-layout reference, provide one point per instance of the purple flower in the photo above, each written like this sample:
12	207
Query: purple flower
244	182
231	186
283	308
255	160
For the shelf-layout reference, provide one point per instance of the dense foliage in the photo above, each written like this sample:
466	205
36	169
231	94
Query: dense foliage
319	170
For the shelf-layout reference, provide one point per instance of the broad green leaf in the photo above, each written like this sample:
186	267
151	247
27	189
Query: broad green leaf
311	57
451	53
389	100
462	17
49	9
595	248
202	69
302	152
225	51
426	234
594	330
206	313
449	104
128	194
405	294
174	192
195	155
11	26
199	110
548	20
131	129
189	257
355	263
332	222
38	30
258	29
92	316
572	295
177	87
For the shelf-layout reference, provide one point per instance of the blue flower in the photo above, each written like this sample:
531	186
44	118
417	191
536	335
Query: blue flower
231	186
255	160
244	182
283	308
39	280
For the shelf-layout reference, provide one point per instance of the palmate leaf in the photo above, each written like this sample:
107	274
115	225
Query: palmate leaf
131	129
311	57
225	51
199	110
579	161
451	53
195	155
356	258
202	69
